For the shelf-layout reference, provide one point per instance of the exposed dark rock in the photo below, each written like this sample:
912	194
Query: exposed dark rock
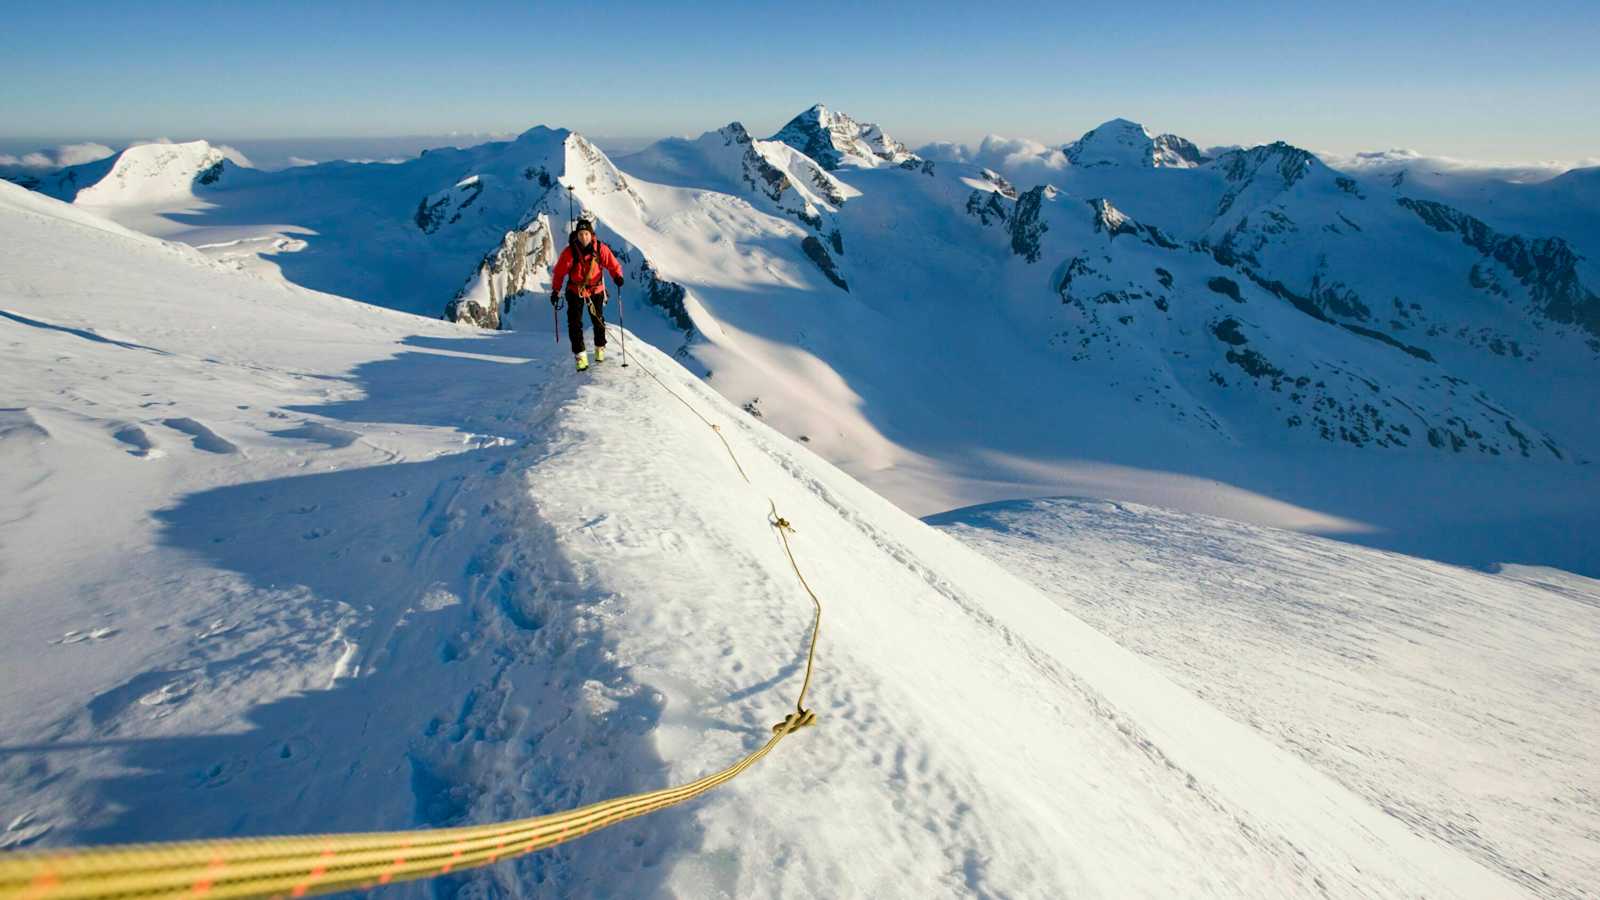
1028	225
430	216
667	296
1165	277
1338	299
987	207
818	254
1254	364
1418	352
471	312
1077	266
1228	332
1227	287
210	174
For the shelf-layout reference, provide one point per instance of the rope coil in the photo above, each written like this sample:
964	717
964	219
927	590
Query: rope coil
297	866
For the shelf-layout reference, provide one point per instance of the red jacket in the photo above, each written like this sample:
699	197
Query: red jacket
586	280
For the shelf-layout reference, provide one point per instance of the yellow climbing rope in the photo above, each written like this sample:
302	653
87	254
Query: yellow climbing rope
316	864
297	866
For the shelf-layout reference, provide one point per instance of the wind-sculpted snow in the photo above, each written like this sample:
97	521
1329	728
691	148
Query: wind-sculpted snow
1457	700
443	580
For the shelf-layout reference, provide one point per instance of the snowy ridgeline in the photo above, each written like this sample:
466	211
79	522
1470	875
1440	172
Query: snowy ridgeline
274	561
1244	332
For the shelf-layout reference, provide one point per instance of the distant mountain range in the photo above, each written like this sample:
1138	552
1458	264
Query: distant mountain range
1127	299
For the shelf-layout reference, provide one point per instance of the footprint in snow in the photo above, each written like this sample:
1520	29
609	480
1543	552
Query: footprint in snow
218	774
318	433
22	831
219	627
202	437
168	694
138	441
78	637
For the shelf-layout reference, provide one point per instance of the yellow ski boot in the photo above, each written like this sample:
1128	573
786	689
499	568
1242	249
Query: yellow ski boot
599	354
583	361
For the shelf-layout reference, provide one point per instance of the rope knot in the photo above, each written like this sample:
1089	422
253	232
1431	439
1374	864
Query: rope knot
800	718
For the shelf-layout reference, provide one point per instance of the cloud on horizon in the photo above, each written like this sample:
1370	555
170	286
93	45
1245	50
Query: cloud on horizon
1396	160
57	157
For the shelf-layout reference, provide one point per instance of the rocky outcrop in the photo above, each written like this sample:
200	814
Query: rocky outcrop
987	207
667	296
1547	267
818	254
1112	222
1027	223
446	206
507	275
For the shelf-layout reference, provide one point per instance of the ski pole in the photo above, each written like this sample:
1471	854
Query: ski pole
622	316
555	322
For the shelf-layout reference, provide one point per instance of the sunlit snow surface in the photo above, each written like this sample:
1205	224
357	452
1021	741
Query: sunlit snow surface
274	561
1461	702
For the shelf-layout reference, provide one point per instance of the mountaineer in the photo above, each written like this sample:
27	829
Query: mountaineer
582	266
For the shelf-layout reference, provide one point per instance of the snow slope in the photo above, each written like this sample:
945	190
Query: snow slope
275	561
1375	668
1249	335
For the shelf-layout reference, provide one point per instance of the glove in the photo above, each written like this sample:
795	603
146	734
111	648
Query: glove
555	298
619	282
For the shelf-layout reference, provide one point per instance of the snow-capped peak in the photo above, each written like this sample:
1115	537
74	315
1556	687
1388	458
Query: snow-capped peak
159	172
1127	143
834	139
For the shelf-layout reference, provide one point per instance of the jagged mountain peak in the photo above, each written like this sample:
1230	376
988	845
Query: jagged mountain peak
736	132
835	139
1290	162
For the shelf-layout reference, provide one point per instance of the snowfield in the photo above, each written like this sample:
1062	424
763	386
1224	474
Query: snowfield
275	561
1462	702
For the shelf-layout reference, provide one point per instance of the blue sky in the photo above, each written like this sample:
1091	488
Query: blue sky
1469	79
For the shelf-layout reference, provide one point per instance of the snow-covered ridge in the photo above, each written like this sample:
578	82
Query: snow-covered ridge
340	577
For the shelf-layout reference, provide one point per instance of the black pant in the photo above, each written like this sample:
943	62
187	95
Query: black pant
597	314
